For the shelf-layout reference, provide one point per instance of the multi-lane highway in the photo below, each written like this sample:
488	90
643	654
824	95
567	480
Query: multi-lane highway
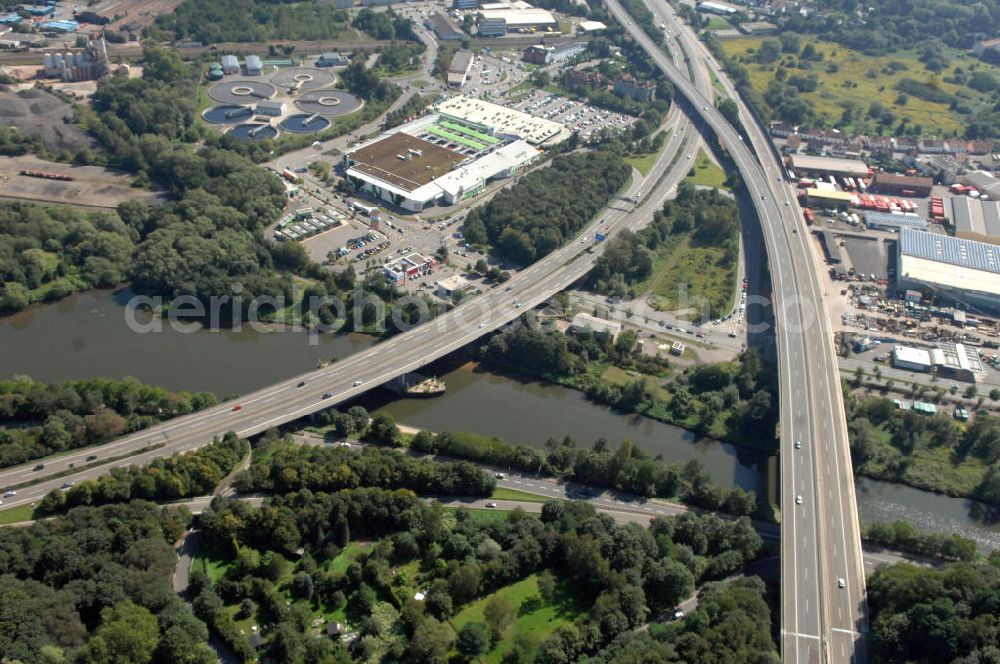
823	584
308	393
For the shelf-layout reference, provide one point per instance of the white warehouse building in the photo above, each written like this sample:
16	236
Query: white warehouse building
951	268
435	160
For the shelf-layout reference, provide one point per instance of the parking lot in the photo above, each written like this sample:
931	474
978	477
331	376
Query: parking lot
868	255
490	75
577	116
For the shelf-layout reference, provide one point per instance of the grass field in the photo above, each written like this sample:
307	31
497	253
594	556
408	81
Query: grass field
212	566
502	493
619	376
344	559
17	514
700	268
643	162
851	84
717	23
707	173
482	515
535	623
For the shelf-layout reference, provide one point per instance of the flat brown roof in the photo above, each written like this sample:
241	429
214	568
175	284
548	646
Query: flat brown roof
381	160
903	180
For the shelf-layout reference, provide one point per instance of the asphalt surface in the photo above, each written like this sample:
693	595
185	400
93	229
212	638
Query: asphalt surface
821	536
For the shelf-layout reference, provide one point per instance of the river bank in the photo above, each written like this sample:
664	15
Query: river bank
85	335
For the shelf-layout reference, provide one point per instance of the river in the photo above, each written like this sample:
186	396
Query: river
86	335
530	412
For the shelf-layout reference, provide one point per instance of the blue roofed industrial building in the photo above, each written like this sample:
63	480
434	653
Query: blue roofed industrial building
60	26
885	221
953	269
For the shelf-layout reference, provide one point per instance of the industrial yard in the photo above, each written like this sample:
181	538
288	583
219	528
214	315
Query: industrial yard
90	187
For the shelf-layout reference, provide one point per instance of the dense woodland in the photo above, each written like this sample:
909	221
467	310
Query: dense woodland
384	25
184	475
289	467
731	624
705	217
50	252
627	468
94	587
624	574
209	237
39	419
885	440
547	207
249	21
901	536
731	400
891	25
945	615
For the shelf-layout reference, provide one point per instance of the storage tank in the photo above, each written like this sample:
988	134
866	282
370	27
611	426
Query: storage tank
47	63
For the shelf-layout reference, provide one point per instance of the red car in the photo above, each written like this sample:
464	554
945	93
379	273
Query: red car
238	407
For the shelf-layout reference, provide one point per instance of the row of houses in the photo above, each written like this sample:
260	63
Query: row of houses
812	138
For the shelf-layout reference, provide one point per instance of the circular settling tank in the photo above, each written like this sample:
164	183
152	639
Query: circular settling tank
329	102
304	123
227	114
253	132
303	79
241	92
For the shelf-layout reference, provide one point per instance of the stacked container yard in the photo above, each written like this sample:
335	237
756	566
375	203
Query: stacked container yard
937	209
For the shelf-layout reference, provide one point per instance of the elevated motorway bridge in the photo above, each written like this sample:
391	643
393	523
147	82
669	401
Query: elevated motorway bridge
824	615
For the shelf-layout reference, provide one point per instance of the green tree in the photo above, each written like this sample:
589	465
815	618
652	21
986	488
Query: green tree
546	585
128	633
473	639
431	642
499	615
383	430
